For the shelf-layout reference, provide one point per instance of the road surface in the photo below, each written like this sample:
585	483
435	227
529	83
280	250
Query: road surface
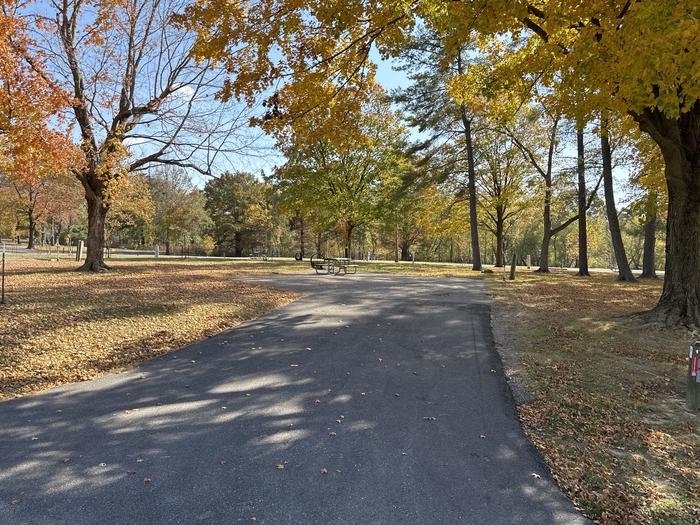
372	400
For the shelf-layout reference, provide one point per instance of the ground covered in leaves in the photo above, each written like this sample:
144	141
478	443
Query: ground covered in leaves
61	326
608	395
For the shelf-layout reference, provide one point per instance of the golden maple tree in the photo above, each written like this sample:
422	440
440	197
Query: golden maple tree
620	57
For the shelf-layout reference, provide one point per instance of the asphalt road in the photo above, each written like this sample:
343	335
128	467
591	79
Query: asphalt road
381	397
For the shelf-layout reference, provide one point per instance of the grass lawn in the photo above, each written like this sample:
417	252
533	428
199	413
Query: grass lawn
61	326
608	408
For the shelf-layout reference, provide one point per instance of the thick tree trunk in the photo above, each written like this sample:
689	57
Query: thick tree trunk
97	214
624	272
32	229
582	208
167	247
679	140
405	251
649	255
546	231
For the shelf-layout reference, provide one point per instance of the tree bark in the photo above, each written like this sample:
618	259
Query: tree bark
624	272
238	244
97	214
500	258
348	240
546	230
396	244
32	228
471	174
405	251
679	140
582	206
301	237
649	255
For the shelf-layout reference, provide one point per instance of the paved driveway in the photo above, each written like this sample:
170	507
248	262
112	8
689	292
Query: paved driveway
373	400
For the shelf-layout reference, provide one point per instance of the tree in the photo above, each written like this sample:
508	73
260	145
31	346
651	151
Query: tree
625	57
430	107
236	204
131	207
179	208
501	175
139	97
345	178
582	209
649	178
42	195
537	135
623	267
34	155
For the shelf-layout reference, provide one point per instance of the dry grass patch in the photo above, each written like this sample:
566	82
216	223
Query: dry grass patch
61	326
608	407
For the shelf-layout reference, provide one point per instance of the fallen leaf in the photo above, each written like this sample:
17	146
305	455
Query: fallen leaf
146	480
279	466
324	471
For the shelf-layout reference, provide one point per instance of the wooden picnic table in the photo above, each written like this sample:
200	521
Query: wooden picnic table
334	265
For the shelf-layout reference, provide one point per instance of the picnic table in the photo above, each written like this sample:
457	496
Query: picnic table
334	265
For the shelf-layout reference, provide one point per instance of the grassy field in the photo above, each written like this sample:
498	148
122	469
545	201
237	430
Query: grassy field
607	408
61	326
608	394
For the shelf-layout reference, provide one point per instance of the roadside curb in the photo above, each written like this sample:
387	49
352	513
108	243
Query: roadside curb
505	343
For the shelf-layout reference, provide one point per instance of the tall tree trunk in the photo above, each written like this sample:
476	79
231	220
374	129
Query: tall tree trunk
624	272
301	237
167	247
97	214
32	228
582	208
396	243
649	255
471	174
238	244
500	261
405	251
471	186
348	239
679	140
546	230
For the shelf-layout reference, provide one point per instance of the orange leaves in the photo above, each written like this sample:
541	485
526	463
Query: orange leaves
31	146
